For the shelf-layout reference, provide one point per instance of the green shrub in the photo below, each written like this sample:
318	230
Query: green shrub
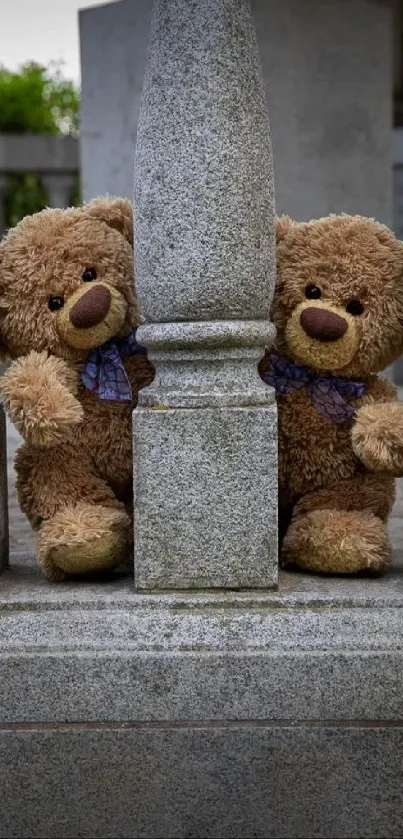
35	100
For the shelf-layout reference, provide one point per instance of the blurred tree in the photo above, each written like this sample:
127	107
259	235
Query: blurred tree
38	100
35	100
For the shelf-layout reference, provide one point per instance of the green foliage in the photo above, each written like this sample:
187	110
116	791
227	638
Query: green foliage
25	195
35	100
38	100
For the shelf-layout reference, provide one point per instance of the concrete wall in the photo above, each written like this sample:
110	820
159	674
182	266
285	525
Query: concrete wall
113	51
39	153
328	73
54	158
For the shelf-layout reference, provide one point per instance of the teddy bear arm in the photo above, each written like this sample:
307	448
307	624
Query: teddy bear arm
39	396
380	390
377	433
140	370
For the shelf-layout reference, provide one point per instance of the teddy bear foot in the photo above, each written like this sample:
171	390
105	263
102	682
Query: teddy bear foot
337	542
83	538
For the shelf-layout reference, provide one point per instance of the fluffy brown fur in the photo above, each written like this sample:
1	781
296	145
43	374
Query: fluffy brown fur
336	484
74	472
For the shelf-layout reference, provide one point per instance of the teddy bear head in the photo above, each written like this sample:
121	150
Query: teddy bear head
338	304
66	280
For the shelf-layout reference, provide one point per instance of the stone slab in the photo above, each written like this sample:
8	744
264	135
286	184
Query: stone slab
327	148
317	649
216	714
202	500
113	40
223	781
329	93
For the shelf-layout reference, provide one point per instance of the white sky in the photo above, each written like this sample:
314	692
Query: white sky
42	31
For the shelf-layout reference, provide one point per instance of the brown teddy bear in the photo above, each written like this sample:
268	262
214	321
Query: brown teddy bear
338	309
68	315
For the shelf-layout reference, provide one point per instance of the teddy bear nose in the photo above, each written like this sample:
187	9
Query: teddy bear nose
322	324
91	308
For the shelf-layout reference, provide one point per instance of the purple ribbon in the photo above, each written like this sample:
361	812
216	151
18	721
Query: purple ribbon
104	373
327	393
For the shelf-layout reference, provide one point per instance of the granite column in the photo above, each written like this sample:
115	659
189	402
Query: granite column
205	447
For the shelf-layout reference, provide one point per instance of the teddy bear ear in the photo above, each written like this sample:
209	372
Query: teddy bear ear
283	226
115	212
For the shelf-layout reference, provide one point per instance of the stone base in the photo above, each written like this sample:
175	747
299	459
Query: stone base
224	780
202	500
271	714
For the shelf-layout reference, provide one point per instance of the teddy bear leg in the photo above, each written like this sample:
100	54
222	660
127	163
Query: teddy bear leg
342	530
81	526
81	538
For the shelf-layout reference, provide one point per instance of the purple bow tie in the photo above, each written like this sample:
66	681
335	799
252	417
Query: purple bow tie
325	391
104	373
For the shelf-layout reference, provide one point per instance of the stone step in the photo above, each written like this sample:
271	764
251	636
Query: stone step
203	714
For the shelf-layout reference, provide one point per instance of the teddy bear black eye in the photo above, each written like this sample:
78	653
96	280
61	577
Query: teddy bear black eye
55	303
312	292
354	307
89	274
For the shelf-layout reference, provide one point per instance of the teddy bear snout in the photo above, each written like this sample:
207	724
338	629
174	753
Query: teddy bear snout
323	325
92	308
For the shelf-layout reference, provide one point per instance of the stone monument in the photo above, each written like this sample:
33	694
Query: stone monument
201	712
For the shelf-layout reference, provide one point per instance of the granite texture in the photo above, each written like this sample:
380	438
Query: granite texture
4	537
221	714
21	535
205	490
206	364
205	435
204	193
318	649
222	782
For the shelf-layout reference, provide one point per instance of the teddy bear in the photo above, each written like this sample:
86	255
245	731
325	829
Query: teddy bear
338	311
68	318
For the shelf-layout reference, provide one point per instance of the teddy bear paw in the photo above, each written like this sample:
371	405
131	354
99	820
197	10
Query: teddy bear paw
337	542
377	437
39	397
82	539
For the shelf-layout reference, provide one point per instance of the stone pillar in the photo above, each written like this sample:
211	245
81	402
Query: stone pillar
205	431
59	188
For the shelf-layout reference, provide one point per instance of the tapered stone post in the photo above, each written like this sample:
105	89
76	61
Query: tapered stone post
205	447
